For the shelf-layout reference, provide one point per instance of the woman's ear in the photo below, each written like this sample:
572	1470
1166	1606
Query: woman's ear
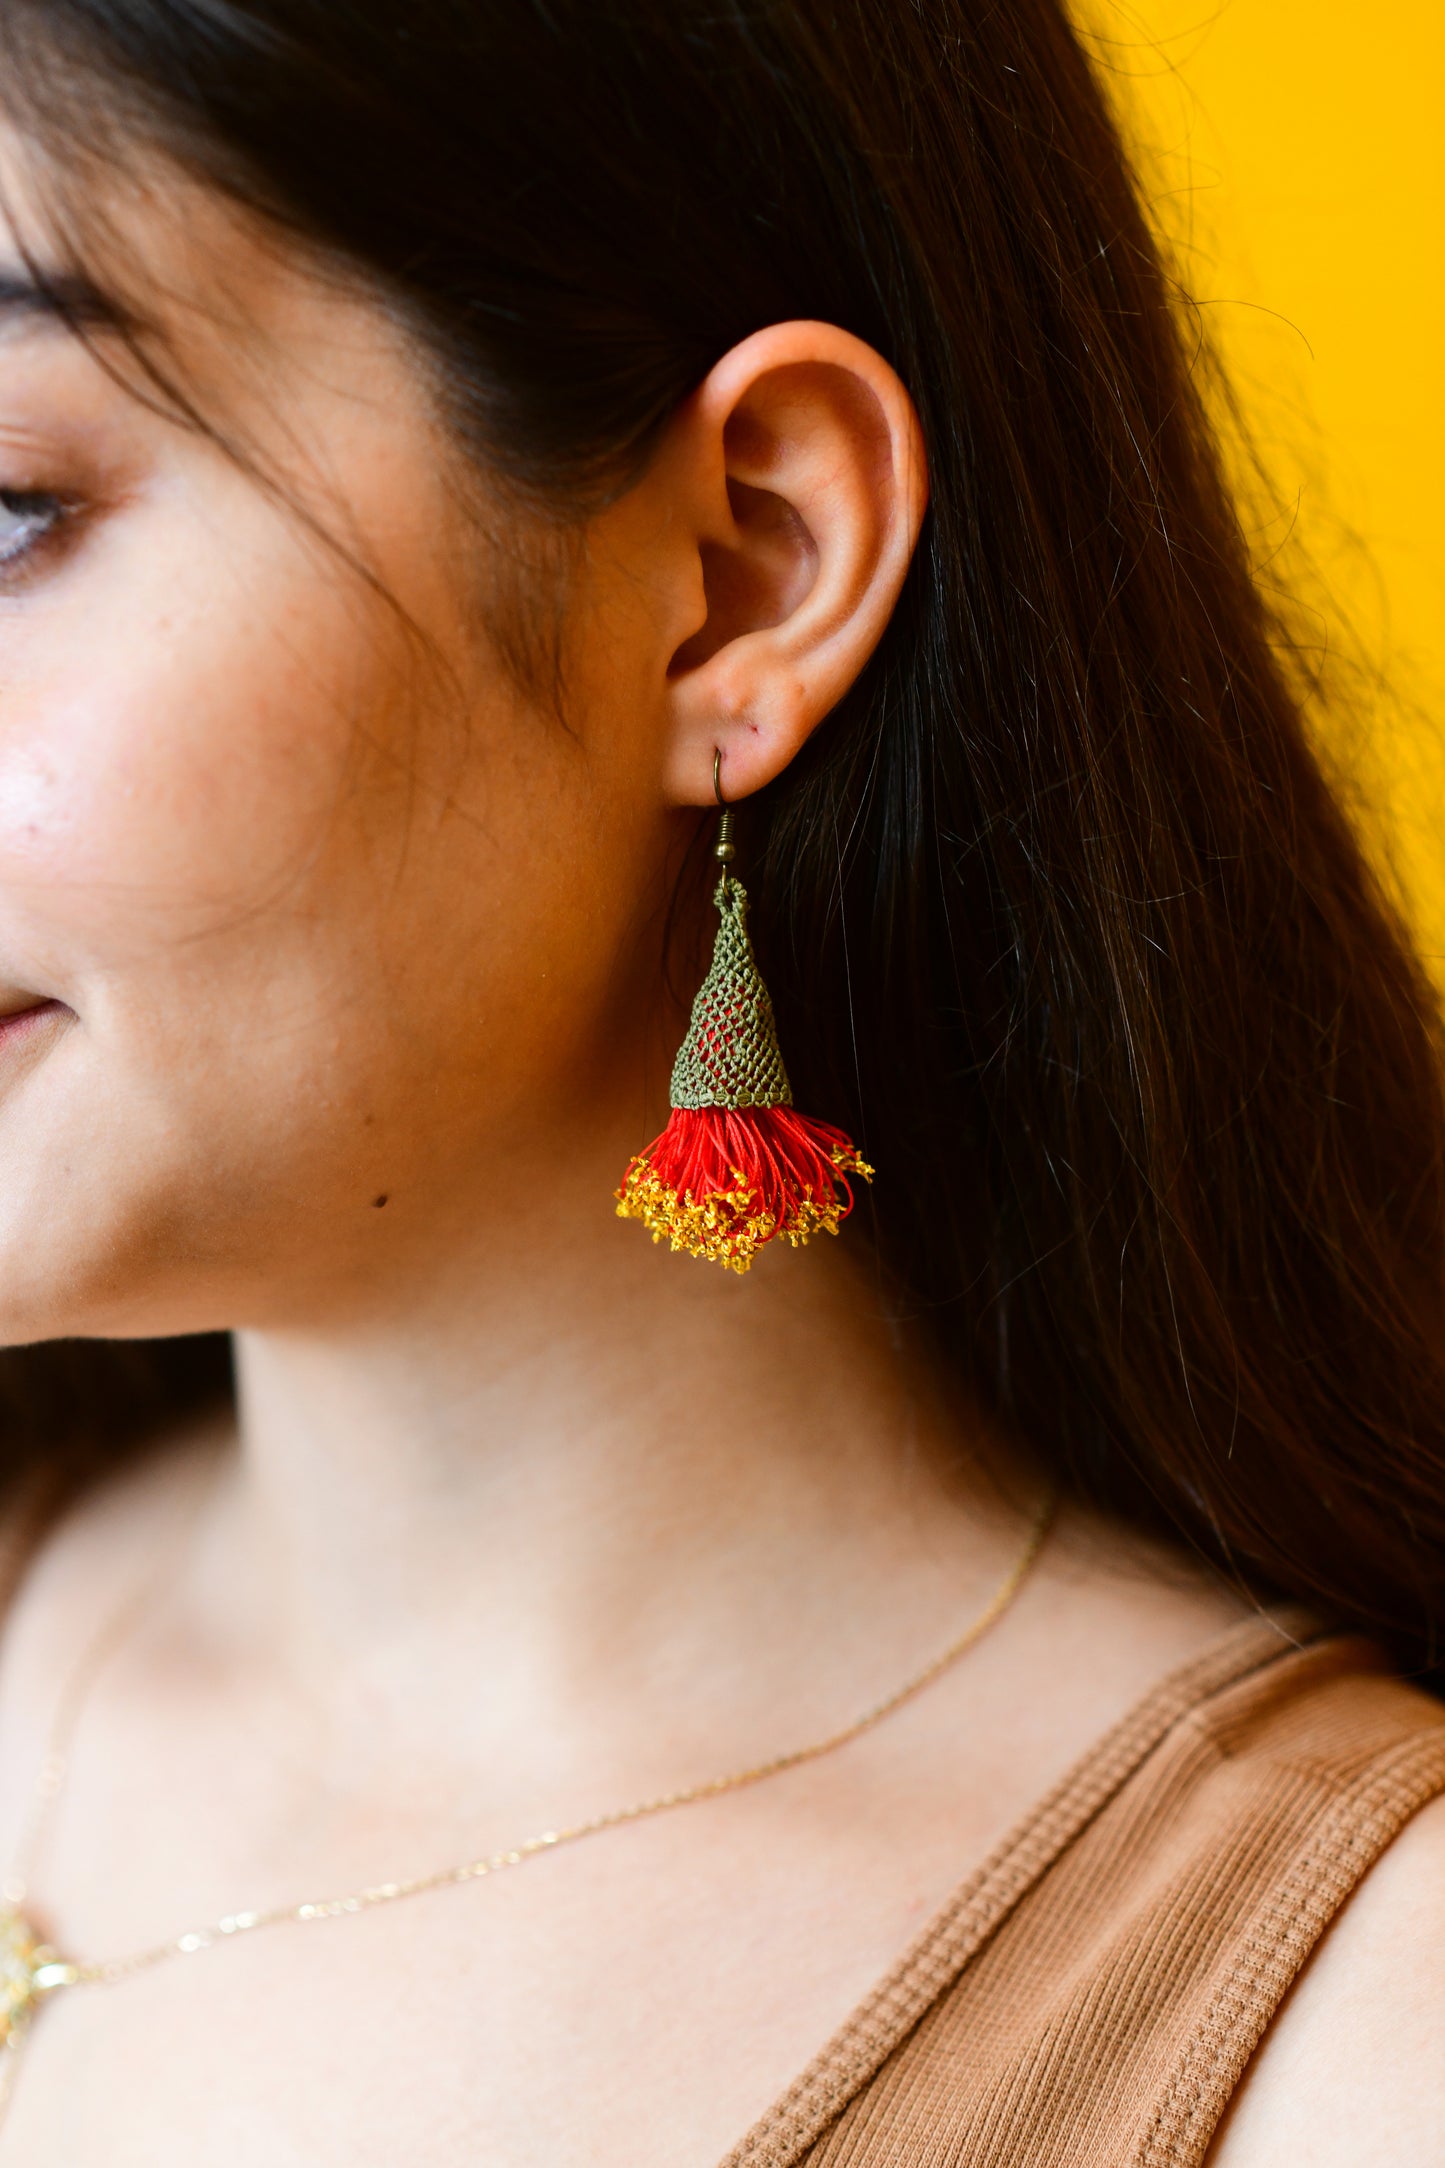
797	488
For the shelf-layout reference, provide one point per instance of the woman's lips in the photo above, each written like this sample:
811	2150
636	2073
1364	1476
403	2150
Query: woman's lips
18	1023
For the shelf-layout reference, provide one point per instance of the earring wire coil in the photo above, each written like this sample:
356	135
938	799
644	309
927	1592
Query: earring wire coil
724	849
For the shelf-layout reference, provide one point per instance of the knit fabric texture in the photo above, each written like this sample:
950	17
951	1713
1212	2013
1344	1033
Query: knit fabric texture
730	1056
1091	1995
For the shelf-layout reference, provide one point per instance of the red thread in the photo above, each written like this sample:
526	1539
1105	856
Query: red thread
785	1158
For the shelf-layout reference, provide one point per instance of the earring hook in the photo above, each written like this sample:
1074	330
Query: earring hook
724	848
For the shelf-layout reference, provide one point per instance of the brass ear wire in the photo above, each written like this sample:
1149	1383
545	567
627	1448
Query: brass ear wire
724	848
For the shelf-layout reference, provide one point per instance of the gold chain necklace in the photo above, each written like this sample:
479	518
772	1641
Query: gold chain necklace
31	1972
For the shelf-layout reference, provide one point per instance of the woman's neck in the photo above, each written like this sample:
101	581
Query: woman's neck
603	1500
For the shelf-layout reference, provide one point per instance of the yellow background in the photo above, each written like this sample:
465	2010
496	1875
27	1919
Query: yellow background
1294	151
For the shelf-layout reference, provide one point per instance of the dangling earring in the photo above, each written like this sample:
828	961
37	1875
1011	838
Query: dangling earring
736	1165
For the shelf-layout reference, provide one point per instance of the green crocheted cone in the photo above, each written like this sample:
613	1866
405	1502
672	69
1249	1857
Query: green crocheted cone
730	1057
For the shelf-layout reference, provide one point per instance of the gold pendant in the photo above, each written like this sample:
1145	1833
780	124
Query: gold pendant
29	1970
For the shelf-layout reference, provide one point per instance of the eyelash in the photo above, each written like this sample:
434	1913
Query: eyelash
45	513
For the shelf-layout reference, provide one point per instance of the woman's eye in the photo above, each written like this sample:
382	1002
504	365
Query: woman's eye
27	517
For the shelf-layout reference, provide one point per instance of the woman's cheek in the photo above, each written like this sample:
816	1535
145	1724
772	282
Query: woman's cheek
173	764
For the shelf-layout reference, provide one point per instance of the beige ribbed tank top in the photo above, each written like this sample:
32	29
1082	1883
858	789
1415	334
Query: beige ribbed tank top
1090	1996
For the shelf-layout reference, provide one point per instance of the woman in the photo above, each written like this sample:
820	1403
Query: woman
445	449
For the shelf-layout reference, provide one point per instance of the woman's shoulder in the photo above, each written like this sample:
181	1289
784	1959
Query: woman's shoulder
1100	1990
1351	2073
1311	2004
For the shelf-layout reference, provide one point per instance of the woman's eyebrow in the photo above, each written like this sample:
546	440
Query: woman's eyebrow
67	299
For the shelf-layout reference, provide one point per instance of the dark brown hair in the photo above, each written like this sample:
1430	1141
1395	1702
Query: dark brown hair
1061	917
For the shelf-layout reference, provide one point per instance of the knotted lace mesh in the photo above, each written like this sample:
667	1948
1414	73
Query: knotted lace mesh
730	1057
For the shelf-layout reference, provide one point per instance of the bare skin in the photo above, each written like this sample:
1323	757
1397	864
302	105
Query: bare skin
356	1015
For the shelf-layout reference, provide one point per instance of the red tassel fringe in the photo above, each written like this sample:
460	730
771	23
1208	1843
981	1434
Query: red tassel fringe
721	1183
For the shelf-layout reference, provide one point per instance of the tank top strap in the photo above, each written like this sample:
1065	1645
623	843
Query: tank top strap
1091	1995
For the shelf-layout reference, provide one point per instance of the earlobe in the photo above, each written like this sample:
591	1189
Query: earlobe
805	473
